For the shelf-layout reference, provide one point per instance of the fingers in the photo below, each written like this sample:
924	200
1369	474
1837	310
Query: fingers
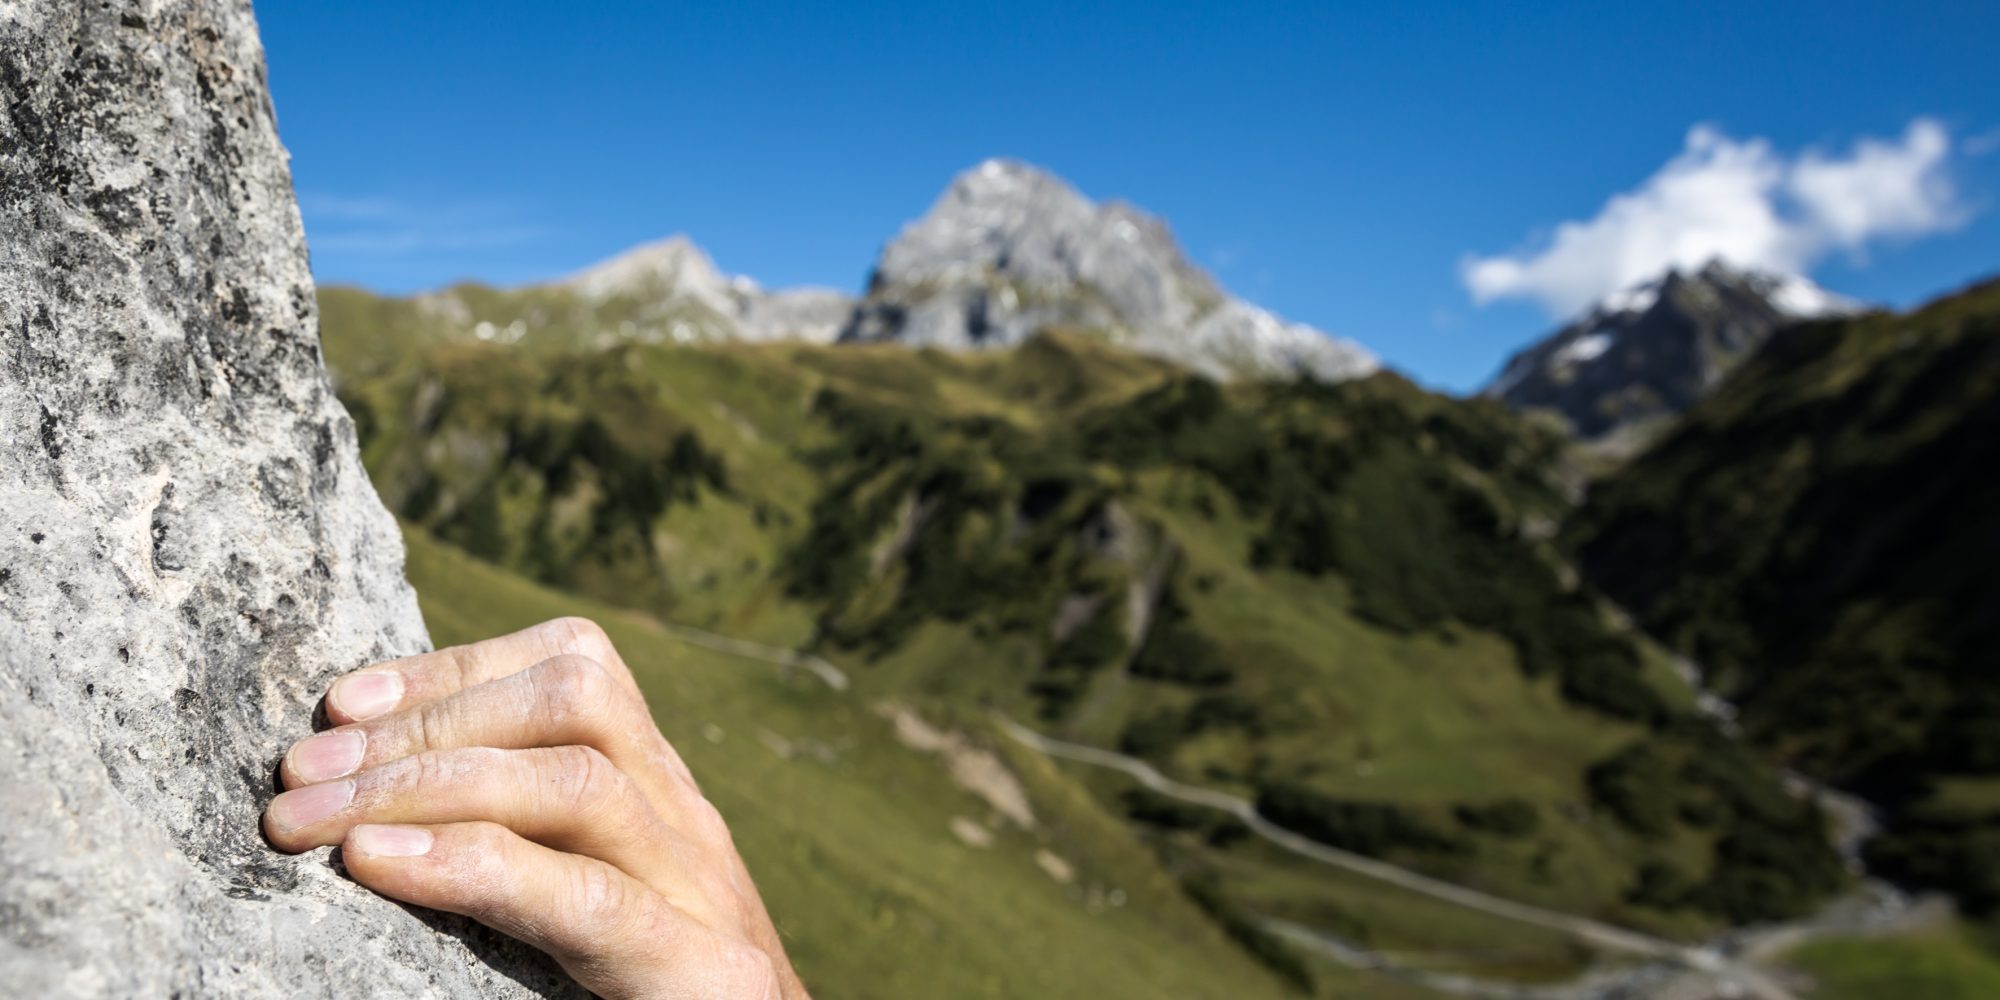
566	700
521	782
393	685
568	798
617	937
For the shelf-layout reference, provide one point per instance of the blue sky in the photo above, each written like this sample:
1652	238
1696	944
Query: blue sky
1343	166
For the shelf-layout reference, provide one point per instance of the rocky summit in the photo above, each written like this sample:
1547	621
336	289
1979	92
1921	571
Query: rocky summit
672	280
1010	249
1008	252
1651	351
189	547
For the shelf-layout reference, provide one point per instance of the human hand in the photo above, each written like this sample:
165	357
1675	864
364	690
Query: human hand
521	782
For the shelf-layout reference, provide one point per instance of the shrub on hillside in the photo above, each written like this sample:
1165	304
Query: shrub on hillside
1153	809
1163	729
1376	829
1262	945
1178	652
1960	856
1513	818
1660	886
1771	859
1071	664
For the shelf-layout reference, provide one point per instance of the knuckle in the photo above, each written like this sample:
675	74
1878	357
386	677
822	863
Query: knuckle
496	843
705	823
572	684
461	766
586	638
461	660
744	970
583	778
583	636
716	964
484	867
598	897
427	771
430	726
719	890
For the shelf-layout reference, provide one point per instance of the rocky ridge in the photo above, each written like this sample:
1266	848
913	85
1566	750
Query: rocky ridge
674	272
1008	251
1649	352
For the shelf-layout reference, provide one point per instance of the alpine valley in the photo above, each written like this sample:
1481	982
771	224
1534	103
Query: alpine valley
1051	623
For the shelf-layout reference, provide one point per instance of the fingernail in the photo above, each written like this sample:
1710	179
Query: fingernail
365	696
310	804
328	755
390	841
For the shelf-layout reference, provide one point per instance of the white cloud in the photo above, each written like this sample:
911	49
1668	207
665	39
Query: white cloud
1741	202
1882	189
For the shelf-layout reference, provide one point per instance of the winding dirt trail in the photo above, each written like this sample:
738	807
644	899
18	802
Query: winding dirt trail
1670	964
1744	980
789	659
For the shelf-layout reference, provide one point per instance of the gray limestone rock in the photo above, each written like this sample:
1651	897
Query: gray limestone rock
1010	249
189	547
672	290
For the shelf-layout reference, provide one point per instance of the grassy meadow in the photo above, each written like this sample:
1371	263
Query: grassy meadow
1351	604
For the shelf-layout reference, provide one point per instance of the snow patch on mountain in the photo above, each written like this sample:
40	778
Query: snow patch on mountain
1583	349
1654	348
1637	298
1798	296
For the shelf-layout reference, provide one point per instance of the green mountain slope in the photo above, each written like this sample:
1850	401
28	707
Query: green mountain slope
1819	536
850	833
1341	601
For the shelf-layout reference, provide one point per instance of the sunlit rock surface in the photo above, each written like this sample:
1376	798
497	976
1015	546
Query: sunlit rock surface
1010	249
672	285
189	548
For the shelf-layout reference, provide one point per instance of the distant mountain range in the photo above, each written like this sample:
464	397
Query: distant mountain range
1008	250
1648	352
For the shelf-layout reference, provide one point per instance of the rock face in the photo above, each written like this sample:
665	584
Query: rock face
1653	350
1010	249
189	547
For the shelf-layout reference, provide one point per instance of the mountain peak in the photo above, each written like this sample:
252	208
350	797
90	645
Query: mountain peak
675	265
1794	295
1000	177
1010	248
670	289
1007	250
1653	348
1001	216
